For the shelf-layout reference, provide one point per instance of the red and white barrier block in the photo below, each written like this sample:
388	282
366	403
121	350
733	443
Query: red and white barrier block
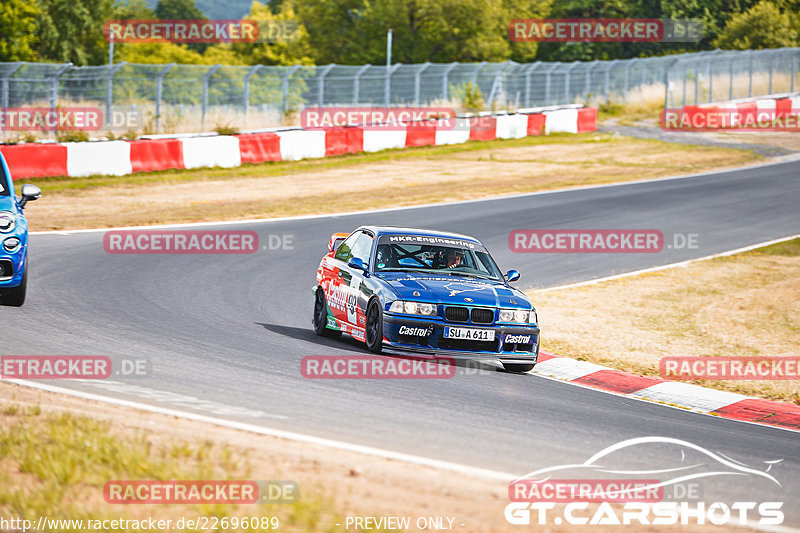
118	158
779	113
684	395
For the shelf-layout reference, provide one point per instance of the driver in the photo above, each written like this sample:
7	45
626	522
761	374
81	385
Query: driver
452	258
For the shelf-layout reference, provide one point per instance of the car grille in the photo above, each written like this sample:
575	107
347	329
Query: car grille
6	269
456	314
482	316
464	344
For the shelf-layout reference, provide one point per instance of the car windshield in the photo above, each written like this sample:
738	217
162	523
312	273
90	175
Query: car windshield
440	255
5	190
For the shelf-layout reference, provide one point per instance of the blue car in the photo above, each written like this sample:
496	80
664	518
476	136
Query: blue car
424	291
13	238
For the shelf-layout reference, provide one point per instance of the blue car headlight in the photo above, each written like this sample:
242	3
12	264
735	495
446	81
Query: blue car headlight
11	244
520	316
8	221
413	308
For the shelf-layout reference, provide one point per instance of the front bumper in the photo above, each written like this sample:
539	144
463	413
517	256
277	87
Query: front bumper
433	342
12	266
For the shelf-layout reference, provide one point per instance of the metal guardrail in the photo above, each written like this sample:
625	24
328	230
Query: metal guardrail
165	94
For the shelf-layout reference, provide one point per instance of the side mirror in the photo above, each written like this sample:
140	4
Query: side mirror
29	194
356	262
512	275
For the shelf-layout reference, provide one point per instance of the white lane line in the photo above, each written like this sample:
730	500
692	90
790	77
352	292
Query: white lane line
668	266
491	475
411	207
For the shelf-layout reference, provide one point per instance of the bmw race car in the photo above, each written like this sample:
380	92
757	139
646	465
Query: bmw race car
427	292
13	238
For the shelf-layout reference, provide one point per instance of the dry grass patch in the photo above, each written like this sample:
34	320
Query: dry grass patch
390	179
743	305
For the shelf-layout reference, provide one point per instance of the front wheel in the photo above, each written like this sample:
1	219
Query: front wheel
518	368
321	317
15	297
374	334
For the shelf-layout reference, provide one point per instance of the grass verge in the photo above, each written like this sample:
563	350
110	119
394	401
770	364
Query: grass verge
744	305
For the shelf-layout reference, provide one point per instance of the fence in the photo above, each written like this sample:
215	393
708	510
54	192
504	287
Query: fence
170	98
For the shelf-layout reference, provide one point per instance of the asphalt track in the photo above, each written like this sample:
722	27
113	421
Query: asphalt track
225	334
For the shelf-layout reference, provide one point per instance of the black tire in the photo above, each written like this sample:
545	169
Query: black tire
518	368
373	336
320	319
15	297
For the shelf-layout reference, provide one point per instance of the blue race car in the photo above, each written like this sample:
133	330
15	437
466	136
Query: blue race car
424	291
13	238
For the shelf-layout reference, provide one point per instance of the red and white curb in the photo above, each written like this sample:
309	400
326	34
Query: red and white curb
748	111
673	393
118	158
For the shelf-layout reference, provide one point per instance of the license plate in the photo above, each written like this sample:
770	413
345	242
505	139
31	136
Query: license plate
472	334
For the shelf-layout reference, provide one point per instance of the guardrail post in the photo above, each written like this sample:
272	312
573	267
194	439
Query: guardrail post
204	103
446	79
528	73
357	83
567	78
285	86
321	83
54	83
387	89
160	92
4	84
112	70
246	91
417	76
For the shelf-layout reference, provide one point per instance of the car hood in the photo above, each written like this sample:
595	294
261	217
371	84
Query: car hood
448	289
7	203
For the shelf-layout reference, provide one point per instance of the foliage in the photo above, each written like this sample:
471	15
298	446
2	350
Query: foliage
18	30
761	26
72	31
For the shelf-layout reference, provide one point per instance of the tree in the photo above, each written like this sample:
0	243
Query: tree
761	26
73	31
291	49
178	9
18	30
354	31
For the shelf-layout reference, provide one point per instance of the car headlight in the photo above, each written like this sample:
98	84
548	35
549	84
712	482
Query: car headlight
11	244
413	308
8	221
533	318
522	316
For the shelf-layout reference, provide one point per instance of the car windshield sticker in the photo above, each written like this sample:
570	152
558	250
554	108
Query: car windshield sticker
421	240
470	287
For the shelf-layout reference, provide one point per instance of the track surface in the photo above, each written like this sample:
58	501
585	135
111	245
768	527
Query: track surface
230	331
